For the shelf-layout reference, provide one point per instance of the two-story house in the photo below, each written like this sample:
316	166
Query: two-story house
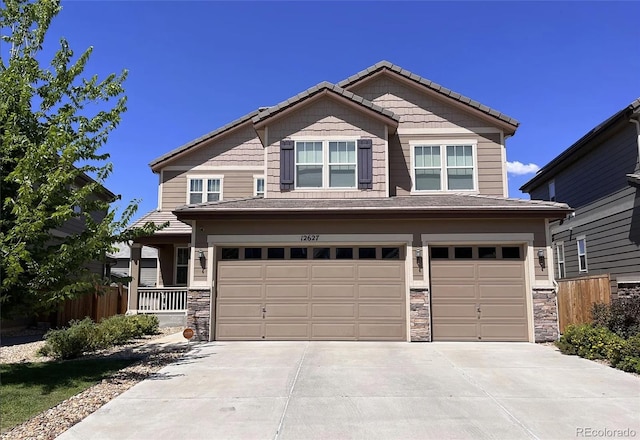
599	176
374	209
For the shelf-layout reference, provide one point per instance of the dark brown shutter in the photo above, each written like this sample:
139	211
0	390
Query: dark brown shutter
365	164
287	164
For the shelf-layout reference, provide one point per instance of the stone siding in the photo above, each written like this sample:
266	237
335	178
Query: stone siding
420	315
199	313
545	314
628	290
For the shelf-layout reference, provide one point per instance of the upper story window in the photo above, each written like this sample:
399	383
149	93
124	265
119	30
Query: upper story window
582	253
455	171
204	189
325	164
552	191
258	186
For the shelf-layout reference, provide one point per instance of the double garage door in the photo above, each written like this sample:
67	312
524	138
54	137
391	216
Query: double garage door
311	293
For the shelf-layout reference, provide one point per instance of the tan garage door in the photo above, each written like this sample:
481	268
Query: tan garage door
478	293
331	297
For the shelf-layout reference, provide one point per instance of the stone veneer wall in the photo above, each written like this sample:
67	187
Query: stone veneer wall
628	290
199	313
545	314
420	315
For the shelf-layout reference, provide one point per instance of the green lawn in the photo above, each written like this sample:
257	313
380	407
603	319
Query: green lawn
30	388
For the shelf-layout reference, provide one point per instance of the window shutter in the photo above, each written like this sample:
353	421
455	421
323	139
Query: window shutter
365	164
287	164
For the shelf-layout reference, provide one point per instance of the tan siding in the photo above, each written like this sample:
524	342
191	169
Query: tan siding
239	147
321	119
416	108
200	273
236	184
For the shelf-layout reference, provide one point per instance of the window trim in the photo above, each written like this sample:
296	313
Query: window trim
562	270
581	269
175	264
325	162
443	144
205	178
257	177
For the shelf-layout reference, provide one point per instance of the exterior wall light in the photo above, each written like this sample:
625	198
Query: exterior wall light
203	260
419	258
541	258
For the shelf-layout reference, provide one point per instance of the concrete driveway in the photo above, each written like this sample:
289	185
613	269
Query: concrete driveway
360	390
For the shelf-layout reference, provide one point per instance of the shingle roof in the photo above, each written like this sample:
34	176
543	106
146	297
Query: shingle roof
241	120
426	203
546	172
431	85
175	227
124	251
271	111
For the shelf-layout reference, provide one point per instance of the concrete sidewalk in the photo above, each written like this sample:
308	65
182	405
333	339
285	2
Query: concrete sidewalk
351	390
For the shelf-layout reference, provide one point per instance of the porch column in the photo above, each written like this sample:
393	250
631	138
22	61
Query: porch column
134	273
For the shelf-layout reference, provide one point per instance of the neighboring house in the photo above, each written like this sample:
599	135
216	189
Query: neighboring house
599	177
148	266
374	209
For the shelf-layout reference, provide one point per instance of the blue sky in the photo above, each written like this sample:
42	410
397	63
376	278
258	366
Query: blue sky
559	68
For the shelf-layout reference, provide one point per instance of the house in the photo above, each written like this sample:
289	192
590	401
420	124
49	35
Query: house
148	264
599	176
371	209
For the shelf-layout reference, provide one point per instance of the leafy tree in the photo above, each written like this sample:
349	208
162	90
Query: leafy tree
53	124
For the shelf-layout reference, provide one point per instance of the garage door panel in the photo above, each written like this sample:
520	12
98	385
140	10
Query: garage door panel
333	331
455	332
379	271
286	291
501	291
378	331
287	272
332	272
504	332
381	311
446	292
340	311
501	272
343	291
244	331
240	310
239	291
287	310
503	311
451	271
390	291
288	331
448	310
243	272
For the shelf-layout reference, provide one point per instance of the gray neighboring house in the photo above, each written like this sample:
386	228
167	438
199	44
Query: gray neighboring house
599	177
148	264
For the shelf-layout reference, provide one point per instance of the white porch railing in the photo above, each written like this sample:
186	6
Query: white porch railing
162	299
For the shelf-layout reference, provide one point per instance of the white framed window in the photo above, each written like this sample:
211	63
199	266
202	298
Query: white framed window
258	186
560	259
582	253
444	166
325	164
552	191
204	189
182	265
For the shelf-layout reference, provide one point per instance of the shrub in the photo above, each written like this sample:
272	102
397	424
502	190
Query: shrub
587	341
628	357
145	324
69	343
622	316
119	329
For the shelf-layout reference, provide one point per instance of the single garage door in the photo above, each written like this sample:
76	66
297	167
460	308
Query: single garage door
478	293
311	293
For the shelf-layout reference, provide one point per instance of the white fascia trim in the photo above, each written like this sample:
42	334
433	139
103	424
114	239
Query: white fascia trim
192	260
386	161
530	280
503	158
453	130
266	161
160	178
215	168
497	238
325	239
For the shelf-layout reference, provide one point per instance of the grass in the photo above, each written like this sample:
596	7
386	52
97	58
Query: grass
27	389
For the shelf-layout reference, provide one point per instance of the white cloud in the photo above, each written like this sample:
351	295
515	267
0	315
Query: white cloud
519	169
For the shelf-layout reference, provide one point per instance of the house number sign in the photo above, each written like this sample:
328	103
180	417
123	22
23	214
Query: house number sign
309	237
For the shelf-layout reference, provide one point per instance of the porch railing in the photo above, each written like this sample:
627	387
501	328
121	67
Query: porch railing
162	299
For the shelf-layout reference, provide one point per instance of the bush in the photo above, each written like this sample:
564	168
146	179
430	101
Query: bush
628	358
587	341
69	343
119	329
622	316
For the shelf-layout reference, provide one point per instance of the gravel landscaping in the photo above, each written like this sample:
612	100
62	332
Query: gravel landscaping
53	422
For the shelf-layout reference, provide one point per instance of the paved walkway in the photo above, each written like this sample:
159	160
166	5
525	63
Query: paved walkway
351	390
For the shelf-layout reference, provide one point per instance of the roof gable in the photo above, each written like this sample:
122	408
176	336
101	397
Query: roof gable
510	124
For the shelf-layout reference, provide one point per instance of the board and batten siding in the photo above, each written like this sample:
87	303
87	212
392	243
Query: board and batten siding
240	146
321	119
611	227
598	173
236	184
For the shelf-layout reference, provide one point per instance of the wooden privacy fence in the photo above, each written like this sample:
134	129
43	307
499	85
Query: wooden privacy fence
577	296
112	302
